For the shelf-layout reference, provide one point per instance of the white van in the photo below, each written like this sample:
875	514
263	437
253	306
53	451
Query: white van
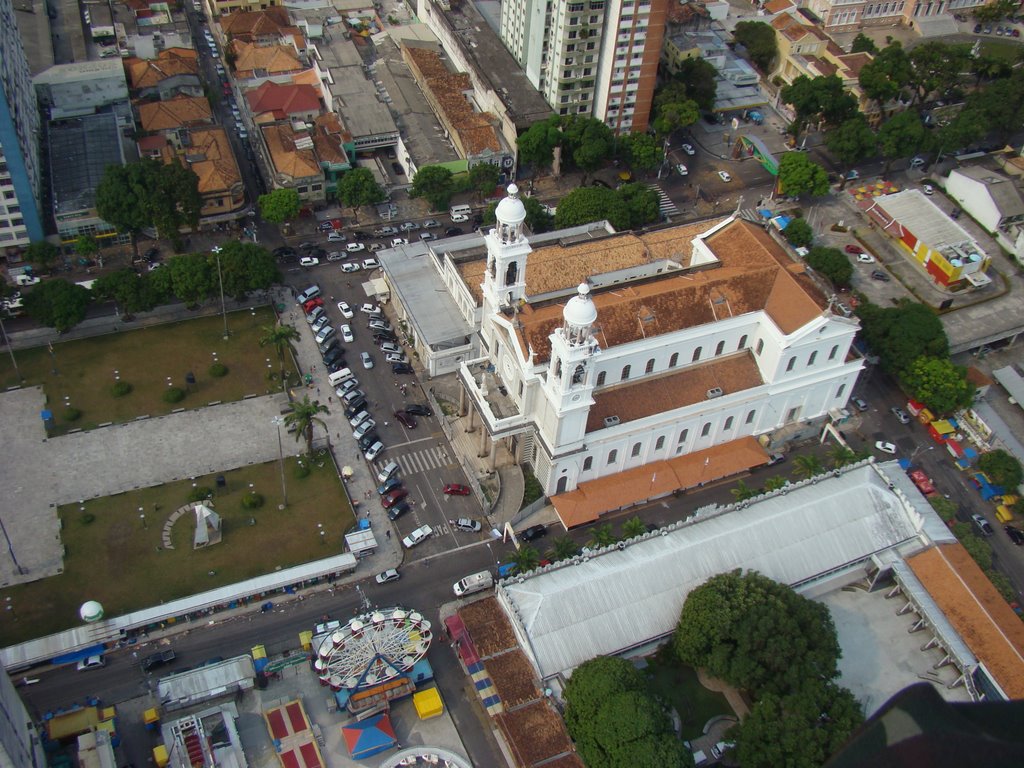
310	293
338	377
475	583
457	212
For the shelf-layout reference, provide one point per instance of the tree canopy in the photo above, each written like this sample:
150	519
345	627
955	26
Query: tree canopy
756	634
832	263
700	79
901	334
902	135
279	205
629	207
819	98
1001	102
588	141
57	303
131	291
799	175
483	179
939	384
852	141
759	40
641	151
357	188
537	143
1003	468
42	254
672	109
799	233
863	44
615	722
244	267
434	184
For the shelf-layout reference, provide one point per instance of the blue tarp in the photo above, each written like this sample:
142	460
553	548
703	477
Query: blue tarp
76	656
370	737
765	213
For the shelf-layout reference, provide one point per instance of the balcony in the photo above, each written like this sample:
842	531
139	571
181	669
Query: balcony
490	398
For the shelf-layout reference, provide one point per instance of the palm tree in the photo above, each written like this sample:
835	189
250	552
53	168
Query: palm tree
602	536
564	549
526	558
840	456
303	417
280	337
775	483
742	491
808	465
633	527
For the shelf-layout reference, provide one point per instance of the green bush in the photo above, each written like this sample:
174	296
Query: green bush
532	488
944	508
174	395
202	493
1003	584
72	414
218	370
301	471
252	500
120	389
87	518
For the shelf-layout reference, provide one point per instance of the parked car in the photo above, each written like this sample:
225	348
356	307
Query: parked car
386	577
312	304
387	347
364	428
399	241
389	485
917	162
398	510
900	414
367	360
367	440
776	458
336	237
409	226
865	258
402	368
419	535
324	334
346	386
393	497
370	309
355	247
681	169
352	395
982	525
309	261
91	662
353	408
885	447
977	29
418	410
346	310
456	489
334	360
688	149
853	249
325	226
430	223
427	236
350	267
385	232
370	263
346	334
374	451
379	337
724	176
859	403
880	276
157	659
466	524
319	323
1016	534
335	256
395	357
315	314
533	532
378	324
452	231
283	251
928	189
374	247
405	419
316	253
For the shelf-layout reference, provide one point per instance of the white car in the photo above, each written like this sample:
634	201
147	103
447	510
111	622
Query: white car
374	451
309	261
409	226
363	428
324	334
384	577
724	176
688	150
420	534
336	237
358	419
917	162
681	169
399	241
355	247
367	360
346	386
459	218
885	447
396	357
429	223
377	247
928	189
370	263
350	267
91	662
865	258
346	334
346	310
370	309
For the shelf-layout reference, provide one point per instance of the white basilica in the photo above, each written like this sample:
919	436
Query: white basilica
603	354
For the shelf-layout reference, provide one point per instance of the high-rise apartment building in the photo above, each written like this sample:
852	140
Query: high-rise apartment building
20	219
589	57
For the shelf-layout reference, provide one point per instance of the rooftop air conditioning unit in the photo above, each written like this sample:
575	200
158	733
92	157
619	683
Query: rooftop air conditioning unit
611	421
714	392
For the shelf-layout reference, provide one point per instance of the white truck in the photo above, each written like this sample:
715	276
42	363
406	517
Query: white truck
476	582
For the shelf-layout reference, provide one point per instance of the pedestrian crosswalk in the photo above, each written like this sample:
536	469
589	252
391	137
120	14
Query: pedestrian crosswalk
751	214
665	205
415	462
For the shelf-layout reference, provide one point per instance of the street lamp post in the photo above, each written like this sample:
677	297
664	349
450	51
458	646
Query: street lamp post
220	278
278	421
10	549
10	349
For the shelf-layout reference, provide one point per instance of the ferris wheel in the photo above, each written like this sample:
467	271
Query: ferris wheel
372	648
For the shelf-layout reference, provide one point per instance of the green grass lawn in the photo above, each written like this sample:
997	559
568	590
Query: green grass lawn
676	684
145	358
117	561
1005	50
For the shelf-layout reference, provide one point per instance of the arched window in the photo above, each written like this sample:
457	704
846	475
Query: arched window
588	463
612	456
743	342
790	364
674	360
839	392
650	366
705	430
511	273
760	346
720	348
728	424
625	373
600	379
812	358
696	354
750	417
834	352
636	450
660	443
683	435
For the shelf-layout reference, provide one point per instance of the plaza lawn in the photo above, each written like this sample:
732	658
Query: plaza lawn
146	358
117	561
677	685
1004	50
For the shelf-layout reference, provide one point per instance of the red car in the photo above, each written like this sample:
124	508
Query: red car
389	500
407	420
312	304
854	249
454	489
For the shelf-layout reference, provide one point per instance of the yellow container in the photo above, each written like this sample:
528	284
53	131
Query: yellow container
160	756
1003	514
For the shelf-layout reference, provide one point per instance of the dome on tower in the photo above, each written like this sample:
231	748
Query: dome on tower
580	310
511	209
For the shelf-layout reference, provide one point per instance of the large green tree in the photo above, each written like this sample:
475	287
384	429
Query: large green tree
799	175
483	179
883	78
937	66
357	188
174	200
863	44
57	303
641	204
589	142
756	634
815	99
1002	104
759	40
672	109
641	151
799	730
629	207
939	384
700	79
901	136
901	334
304	415
434	183
192	277
245	267
537	143
537	217
832	263
799	233
280	205
132	292
1002	468
42	254
851	142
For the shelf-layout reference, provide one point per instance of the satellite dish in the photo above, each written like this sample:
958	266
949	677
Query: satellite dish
91	611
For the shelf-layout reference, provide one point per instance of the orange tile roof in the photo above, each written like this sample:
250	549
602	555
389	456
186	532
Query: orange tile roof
593	498
668	391
272	59
754	274
287	158
976	610
211	159
476	130
247	25
178	112
328	137
777	6
854	62
172	62
283	100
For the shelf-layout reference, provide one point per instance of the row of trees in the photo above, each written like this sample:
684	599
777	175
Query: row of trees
190	278
438	185
356	189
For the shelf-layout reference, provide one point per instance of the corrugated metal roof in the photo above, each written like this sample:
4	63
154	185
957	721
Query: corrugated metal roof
621	598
